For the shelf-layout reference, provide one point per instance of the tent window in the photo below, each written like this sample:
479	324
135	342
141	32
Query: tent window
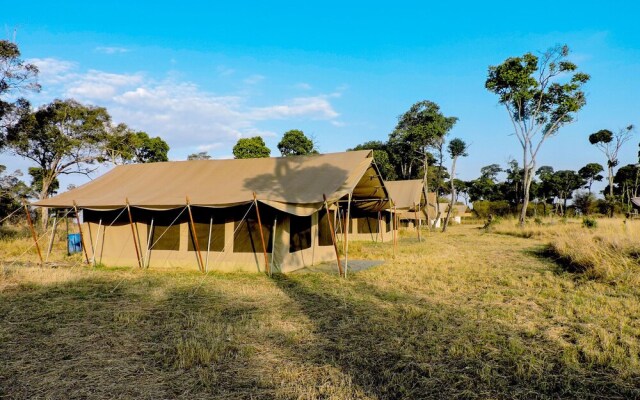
247	238
165	237
300	235
202	231
387	221
367	225
324	230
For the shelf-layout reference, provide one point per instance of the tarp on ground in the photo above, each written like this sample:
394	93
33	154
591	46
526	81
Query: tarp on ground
291	184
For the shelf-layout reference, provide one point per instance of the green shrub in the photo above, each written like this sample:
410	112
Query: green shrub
590	223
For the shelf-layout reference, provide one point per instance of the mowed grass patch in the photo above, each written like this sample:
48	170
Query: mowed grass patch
465	314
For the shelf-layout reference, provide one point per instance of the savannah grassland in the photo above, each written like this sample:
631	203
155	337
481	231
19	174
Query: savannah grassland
551	311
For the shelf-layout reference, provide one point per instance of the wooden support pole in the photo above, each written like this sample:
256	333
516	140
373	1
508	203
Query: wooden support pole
147	256
264	247
415	215
333	235
133	233
95	247
84	248
33	231
206	263
196	244
346	238
394	226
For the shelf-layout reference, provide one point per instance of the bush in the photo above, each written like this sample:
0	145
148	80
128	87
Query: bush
584	202
590	223
483	208
8	232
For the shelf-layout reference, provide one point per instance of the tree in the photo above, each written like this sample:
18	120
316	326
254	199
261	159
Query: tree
541	95
567	182
295	143
547	189
63	137
203	155
15	76
253	147
12	191
584	202
36	182
381	157
610	143
124	146
456	148
490	171
627	183
591	173
422	127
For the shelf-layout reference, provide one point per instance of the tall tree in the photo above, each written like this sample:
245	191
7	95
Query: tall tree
627	183
547	189
203	155
609	144
567	182
381	157
541	95
63	137
12	191
15	76
124	146
253	147
296	143
591	173
421	128
456	148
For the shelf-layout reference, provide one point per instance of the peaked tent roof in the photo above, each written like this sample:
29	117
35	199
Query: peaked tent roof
292	184
406	194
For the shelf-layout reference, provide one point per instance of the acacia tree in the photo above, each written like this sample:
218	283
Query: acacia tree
295	143
609	144
124	146
203	155
15	76
567	182
421	128
381	157
541	95
591	173
64	137
456	148
253	147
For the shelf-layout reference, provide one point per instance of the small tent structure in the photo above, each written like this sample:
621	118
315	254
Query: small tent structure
224	214
409	201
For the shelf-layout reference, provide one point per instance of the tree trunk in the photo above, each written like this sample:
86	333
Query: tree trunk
426	185
527	178
453	196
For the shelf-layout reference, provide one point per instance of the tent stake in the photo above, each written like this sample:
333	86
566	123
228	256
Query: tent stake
133	233
53	235
264	247
333	235
33	231
84	248
195	236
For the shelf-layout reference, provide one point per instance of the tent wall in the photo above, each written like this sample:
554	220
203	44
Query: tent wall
368	228
242	251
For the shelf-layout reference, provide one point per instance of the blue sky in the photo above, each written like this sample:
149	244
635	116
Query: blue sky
203	74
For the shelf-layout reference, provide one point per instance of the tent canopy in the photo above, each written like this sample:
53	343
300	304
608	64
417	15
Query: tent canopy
291	184
406	195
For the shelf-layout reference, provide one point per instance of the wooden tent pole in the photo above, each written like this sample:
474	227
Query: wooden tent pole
380	226
264	247
53	235
394	227
84	248
346	250
195	236
33	231
333	235
415	215
147	256
133	233
206	263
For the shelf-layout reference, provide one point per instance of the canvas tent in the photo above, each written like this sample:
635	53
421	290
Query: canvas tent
216	214
409	201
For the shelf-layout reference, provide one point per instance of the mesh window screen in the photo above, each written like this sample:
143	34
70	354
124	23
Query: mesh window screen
300	235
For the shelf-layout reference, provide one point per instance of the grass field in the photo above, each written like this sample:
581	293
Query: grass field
466	314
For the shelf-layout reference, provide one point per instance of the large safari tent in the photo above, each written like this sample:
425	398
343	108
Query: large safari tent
265	214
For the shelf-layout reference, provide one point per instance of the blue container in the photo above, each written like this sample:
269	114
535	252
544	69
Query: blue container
74	243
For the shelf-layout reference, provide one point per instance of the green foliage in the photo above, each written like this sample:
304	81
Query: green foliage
253	147
203	155
602	136
36	182
590	223
381	157
15	76
584	202
62	137
12	191
123	145
538	100
591	173
296	143
484	208
457	148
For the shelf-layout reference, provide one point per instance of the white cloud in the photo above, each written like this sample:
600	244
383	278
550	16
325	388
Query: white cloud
253	79
303	86
181	112
112	50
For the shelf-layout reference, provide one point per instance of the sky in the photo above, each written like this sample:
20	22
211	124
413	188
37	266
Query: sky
203	74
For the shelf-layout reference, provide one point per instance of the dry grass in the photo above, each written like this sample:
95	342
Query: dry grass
461	315
608	252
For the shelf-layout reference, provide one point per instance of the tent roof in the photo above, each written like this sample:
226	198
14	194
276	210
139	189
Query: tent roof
291	184
406	194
